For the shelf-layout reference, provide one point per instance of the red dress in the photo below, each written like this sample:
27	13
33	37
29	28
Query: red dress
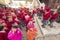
46	16
16	21
3	36
1	16
47	8
9	24
20	15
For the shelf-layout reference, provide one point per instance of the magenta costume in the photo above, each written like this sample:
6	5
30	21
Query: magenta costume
16	36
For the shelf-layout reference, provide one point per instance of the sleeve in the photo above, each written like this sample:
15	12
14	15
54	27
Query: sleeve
20	32
10	36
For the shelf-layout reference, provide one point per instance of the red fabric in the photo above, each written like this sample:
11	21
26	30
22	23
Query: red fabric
41	10
16	11
47	8
26	10
8	9
1	20
7	14
13	16
1	10
17	21
20	15
46	16
31	16
55	16
38	9
9	24
33	12
1	15
3	36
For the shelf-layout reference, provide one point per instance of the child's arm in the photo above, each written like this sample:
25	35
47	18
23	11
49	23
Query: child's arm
19	31
20	34
10	35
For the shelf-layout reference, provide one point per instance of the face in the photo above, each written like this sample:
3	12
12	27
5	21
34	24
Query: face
31	29
0	21
18	11
5	28
10	19
14	29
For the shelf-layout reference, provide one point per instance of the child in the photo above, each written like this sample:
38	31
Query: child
32	33
39	12
15	33
3	35
33	13
54	16
9	22
20	16
27	19
46	17
30	24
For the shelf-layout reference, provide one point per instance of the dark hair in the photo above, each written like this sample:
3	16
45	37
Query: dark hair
15	26
1	27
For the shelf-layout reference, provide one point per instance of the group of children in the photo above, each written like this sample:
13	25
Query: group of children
48	15
10	20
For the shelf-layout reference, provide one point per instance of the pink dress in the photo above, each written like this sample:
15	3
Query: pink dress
30	24
16	36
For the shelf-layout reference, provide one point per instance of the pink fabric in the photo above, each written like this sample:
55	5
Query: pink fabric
16	36
30	25
27	19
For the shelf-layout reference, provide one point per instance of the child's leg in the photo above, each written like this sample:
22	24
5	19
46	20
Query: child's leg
51	23
44	23
40	15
